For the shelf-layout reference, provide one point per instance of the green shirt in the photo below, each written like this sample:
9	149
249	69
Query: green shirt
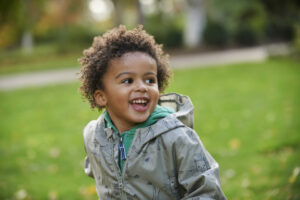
127	136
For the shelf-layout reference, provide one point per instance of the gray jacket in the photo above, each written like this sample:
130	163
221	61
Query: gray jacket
166	160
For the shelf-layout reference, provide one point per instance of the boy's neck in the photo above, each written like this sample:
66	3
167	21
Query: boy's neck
119	126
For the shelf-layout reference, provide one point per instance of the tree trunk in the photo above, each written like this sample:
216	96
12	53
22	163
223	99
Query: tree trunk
118	12
27	42
27	38
140	14
195	23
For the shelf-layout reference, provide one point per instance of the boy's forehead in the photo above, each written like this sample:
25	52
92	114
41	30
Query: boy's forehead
136	57
137	54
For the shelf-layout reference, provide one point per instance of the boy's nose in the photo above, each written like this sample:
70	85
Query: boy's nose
141	86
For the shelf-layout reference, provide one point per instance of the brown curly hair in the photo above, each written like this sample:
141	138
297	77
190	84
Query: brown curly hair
113	44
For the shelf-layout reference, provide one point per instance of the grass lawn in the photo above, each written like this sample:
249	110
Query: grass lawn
43	57
247	116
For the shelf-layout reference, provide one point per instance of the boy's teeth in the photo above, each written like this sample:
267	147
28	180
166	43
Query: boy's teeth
139	101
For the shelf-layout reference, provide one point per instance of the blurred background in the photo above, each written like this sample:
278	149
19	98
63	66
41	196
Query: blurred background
246	113
66	26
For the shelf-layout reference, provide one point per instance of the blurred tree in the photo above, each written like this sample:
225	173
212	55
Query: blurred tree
118	13
287	9
282	17
26	18
195	22
124	8
243	21
159	8
8	14
21	16
140	14
250	22
64	22
61	13
6	10
215	34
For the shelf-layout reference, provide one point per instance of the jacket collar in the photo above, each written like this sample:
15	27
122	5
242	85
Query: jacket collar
101	130
183	116
144	135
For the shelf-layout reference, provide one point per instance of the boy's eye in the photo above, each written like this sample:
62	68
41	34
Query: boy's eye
150	80
127	80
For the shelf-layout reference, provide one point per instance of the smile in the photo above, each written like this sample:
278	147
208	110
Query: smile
139	101
140	104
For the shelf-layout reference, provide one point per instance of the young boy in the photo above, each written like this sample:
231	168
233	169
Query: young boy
143	145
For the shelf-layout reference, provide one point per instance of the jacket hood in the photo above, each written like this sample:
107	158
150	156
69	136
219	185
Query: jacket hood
182	105
183	116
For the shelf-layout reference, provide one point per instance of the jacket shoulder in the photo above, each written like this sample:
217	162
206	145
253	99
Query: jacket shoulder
186	141
177	134
176	128
182	134
89	130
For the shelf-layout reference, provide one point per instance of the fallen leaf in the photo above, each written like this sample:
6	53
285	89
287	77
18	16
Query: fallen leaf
52	169
234	144
21	194
53	195
229	173
54	152
273	192
88	191
256	169
245	183
293	177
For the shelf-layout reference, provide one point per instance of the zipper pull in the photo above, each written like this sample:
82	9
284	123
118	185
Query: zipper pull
122	149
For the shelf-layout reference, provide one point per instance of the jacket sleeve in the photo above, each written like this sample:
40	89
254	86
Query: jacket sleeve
198	172
87	168
87	132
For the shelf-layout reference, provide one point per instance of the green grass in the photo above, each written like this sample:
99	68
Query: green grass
247	116
43	57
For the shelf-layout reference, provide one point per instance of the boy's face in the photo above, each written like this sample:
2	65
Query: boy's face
130	91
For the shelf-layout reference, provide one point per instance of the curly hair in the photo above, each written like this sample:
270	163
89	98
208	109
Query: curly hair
113	44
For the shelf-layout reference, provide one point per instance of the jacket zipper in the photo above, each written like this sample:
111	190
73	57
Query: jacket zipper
122	149
123	157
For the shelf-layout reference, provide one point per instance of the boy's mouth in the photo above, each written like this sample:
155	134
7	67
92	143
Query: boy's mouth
140	104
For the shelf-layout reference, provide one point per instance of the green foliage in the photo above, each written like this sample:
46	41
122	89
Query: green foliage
167	30
246	116
245	35
215	34
255	22
250	25
17	17
278	28
282	16
243	23
54	18
296	42
68	37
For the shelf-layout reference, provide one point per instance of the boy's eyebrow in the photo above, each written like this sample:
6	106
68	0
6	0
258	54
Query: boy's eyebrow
124	73
130	73
150	73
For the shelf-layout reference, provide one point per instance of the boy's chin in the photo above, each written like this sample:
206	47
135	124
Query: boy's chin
141	118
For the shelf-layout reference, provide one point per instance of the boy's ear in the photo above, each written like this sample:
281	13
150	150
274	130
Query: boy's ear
100	97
